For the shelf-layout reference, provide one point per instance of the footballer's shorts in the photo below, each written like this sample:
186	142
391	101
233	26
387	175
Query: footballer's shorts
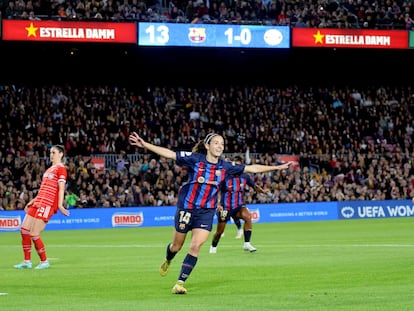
188	219
224	215
43	213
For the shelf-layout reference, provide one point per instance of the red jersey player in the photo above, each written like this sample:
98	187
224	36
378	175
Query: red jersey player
41	208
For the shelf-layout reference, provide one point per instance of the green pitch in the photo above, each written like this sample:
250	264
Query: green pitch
329	265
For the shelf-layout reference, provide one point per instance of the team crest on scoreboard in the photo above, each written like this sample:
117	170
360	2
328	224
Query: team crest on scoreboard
197	35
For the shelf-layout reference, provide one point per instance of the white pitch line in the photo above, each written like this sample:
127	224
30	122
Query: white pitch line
93	246
261	245
109	246
349	245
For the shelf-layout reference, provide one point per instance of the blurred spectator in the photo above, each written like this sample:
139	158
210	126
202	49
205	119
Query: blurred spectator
344	14
71	199
363	151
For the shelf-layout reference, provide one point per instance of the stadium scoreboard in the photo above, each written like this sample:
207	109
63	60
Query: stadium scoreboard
213	35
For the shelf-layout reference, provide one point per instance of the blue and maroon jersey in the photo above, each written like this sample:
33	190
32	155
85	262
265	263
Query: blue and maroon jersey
232	191
204	179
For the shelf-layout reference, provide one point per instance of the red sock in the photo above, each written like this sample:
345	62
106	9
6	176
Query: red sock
40	247
26	243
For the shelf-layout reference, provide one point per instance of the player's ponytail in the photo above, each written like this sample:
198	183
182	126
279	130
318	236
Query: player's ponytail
199	147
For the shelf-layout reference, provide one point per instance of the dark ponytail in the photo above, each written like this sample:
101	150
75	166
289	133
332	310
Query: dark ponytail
199	147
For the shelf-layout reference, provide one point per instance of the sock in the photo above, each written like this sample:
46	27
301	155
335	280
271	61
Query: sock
26	243
40	247
169	255
247	235
238	224
216	240
187	267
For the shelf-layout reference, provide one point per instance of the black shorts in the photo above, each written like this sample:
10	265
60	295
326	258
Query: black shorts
224	215
188	219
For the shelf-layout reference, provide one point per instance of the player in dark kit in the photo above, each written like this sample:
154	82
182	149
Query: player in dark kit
198	198
232	205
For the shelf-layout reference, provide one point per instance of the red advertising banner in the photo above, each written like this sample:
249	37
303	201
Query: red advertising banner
287	158
27	30
349	38
98	164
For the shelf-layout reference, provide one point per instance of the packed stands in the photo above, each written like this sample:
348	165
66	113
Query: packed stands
314	13
351	143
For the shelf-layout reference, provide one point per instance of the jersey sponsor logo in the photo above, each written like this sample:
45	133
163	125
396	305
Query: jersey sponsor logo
185	154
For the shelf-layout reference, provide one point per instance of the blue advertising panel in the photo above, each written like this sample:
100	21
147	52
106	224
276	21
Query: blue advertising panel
94	218
375	209
206	35
292	212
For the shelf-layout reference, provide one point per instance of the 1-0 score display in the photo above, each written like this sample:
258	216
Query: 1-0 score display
206	35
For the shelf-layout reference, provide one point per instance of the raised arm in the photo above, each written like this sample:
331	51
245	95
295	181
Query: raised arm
136	140
259	168
259	189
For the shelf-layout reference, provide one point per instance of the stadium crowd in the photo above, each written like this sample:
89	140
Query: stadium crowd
368	14
351	143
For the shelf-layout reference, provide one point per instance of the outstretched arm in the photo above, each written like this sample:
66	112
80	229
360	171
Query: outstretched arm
261	190
259	168
136	140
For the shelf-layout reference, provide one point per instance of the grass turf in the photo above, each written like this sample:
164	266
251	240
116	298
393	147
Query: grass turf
328	265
